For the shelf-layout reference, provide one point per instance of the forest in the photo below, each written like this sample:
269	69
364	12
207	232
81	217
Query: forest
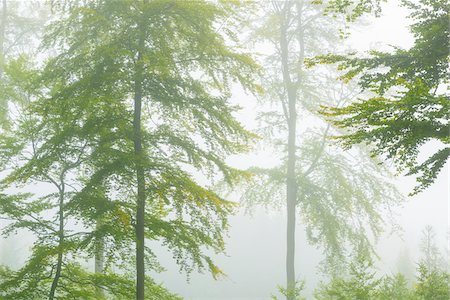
225	149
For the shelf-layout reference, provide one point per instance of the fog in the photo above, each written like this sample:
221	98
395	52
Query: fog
255	247
255	250
255	256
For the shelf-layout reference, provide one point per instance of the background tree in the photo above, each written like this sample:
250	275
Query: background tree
395	287
432	284
405	265
335	194
410	106
20	26
431	257
360	283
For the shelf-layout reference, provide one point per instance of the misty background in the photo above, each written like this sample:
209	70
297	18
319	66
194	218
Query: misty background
255	247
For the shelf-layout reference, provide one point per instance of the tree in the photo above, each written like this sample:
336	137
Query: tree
410	107
431	256
294	294
146	84
361	283
333	193
33	151
395	288
432	284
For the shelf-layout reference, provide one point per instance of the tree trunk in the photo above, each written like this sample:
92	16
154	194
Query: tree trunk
99	265
140	212
140	177
291	188
291	185
60	244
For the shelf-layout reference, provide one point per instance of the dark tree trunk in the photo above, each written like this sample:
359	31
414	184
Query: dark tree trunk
140	177
140	212
99	265
60	244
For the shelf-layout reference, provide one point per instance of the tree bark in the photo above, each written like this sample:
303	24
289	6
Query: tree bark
99	265
291	200
140	176
140	212
60	243
291	88
291	185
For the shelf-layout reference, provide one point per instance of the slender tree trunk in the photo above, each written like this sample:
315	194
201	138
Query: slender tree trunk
140	213
99	265
291	114
140	177
60	244
291	188
291	185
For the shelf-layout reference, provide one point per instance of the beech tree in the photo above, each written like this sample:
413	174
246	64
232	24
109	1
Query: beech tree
141	89
36	149
340	199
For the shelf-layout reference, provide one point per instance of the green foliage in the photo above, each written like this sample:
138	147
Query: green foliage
76	284
409	108
188	122
395	288
430	254
340	198
360	284
294	293
75	133
352	9
432	284
20	23
398	127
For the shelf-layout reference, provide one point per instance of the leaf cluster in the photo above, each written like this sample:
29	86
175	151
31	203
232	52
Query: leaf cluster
408	110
